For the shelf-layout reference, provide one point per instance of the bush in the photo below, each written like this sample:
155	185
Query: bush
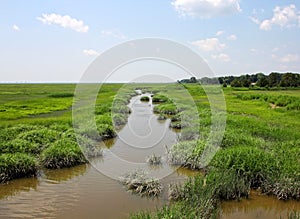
16	165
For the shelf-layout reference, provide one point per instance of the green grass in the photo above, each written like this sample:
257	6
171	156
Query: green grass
36	126
17	165
62	153
145	98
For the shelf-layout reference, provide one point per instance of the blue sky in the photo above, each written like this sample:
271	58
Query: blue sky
56	40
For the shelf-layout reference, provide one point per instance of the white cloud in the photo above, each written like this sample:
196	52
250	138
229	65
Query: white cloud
15	27
209	44
275	49
206	8
65	21
90	52
282	16
222	57
290	58
220	32
232	37
113	33
253	50
255	20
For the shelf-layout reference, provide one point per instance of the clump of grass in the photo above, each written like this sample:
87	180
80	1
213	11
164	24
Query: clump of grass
119	119
10	133
194	199
145	98
154	159
21	146
17	165
62	153
253	163
106	131
189	133
166	108
161	117
138	182
38	139
186	154
282	187
228	184
159	98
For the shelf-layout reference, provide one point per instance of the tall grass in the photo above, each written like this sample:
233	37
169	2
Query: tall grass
17	165
62	153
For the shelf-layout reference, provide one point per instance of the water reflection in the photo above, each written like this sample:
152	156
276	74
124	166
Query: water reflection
258	206
14	187
57	176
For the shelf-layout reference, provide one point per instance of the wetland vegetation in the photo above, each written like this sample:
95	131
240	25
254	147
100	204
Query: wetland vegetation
260	149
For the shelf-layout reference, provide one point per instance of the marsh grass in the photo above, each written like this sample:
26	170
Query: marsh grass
145	98
49	141
166	108
138	182
186	154
290	102
159	98
17	165
62	153
154	159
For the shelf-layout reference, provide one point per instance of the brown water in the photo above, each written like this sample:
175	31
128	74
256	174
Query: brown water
85	192
258	206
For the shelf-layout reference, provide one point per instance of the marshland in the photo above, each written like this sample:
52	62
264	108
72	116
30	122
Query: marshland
41	160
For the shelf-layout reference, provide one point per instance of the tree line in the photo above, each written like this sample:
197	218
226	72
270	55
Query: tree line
274	79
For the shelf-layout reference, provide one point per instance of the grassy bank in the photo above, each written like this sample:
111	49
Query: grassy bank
260	150
36	127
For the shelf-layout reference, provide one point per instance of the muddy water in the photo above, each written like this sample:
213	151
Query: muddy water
258	206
